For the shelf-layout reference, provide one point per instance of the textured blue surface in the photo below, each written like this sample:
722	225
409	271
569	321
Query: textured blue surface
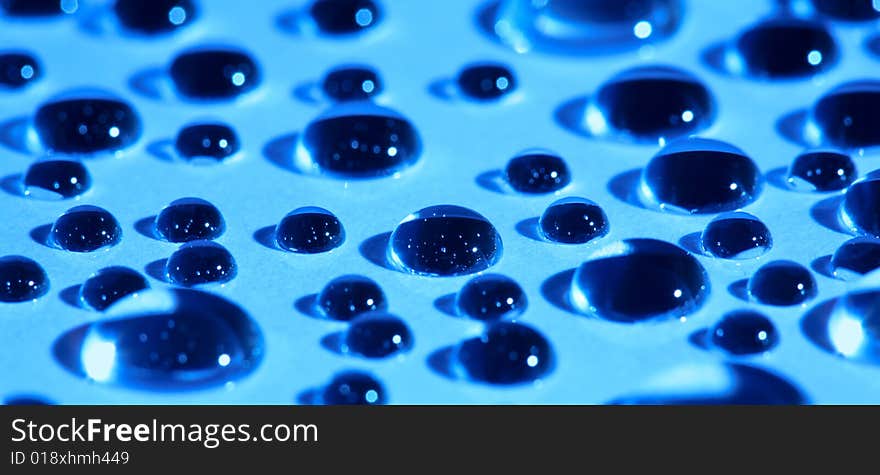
417	48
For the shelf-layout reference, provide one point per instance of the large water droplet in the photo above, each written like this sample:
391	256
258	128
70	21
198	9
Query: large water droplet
856	258
847	116
56	179
215	73
85	229
491	297
782	283
639	279
444	240
736	235
87	125
348	296
784	47
21	279
507	353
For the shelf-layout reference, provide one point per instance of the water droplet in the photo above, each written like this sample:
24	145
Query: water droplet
200	262
377	335
854	326
444	240
164	340
358	140
109	285
155	16
861	207
87	125
491	297
352	83
784	47
213	141
38	8
309	230
584	27
486	81
345	16
573	220
21	279
639	279
507	353
354	388
848	116
849	10
782	283
744	332
85	229
698	176
18	70
56	179
650	103
189	219
856	258
736	235
348	296
822	171
537	172
215	73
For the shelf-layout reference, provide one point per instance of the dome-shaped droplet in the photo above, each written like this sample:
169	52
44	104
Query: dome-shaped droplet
585	26
173	339
354	388
573	220
358	140
537	172
744	332
309	230
847	116
348	296
507	353
444	240
650	103
698	176
155	16
782	283
848	10
639	279
736	235
189	219
822	171
855	258
784	47
109	285
337	17
377	335
21	279
56	179
85	229
352	83
213	141
854	323
215	73
486	81
200	262
861	207
38	8
18	70
491	297
87	125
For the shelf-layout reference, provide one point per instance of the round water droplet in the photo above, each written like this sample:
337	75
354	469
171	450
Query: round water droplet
377	335
573	221
18	70
155	16
782	283
189	219
585	26
309	230
849	10
784	47
822	171
21	279
352	83
537	172
698	176
736	235
855	258
358	140
491	297
85	229
639	279
38	8
200	262
847	116
109	285
650	103
213	141
348	296
507	353
87	125
172	339
215	73
486	81
861	207
56	179
345	16
444	240
744	332
354	388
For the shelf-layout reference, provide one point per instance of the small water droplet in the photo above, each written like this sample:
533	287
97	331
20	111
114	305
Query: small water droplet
213	141
19	69
352	83
354	388
507	353
744	332
215	73
87	125
38	8
573	220
348	296
85	229
537	172
189	219
783	47
345	16
782	283
444	240
849	10
822	171
154	16
200	262
847	116
56	179
109	285
377	335
486	81
639	279
309	230
855	258
21	279
736	235
491	297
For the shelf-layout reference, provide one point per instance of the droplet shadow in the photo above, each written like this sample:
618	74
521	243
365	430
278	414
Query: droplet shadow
375	250
740	289
440	362
162	149
700	339
308	306
334	343
713	57
14	135
778	178
791	127
280	152
146	227
822	266
569	115
307	93
266	237
27	399
289	21
873	46
70	296
625	187
67	347
492	180
814	325
150	83
446	305
442	89
156	270
40	235
310	397
12	184
827	213
692	243
529	228
555	290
